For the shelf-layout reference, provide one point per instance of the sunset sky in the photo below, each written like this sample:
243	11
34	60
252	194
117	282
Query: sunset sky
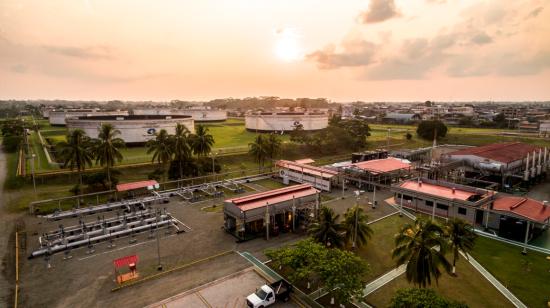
375	50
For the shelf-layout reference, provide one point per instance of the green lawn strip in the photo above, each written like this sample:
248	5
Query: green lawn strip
271	184
468	286
528	276
377	252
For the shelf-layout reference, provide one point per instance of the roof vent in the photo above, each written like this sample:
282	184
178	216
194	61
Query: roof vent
419	183
454	190
120	118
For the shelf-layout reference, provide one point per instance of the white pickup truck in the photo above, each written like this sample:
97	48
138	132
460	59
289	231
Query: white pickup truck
267	295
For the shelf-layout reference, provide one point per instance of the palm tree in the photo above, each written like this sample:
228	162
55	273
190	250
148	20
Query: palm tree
273	144
76	152
202	141
461	237
107	148
356	227
259	150
422	247
181	146
161	147
327	230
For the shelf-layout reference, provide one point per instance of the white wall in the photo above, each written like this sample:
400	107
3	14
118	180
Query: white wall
285	122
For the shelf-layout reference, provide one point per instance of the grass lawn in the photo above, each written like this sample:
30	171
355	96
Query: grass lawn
469	287
377	252
271	184
528	276
232	133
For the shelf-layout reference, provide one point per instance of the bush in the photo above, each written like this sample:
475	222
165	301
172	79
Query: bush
11	143
426	129
422	298
408	136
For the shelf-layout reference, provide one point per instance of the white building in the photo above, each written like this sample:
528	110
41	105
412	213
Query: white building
285	121
133	129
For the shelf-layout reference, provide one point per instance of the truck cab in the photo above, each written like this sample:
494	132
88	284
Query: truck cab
266	295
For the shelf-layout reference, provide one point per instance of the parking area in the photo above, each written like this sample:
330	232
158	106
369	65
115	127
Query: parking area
227	292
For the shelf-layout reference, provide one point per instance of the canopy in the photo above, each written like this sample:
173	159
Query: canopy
124	261
136	185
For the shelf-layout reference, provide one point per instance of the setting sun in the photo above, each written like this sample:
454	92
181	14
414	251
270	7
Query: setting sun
287	47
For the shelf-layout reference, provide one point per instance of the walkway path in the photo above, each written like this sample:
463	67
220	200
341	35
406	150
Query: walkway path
384	279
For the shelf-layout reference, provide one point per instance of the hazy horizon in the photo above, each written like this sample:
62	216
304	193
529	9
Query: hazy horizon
372	51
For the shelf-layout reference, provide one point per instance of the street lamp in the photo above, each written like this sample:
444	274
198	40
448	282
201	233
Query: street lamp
32	173
357	197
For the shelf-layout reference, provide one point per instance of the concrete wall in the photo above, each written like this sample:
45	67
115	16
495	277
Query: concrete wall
422	205
132	131
199	115
285	122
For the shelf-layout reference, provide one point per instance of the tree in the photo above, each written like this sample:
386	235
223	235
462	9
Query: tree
273	145
427	129
181	147
202	141
355	220
326	229
461	237
500	120
161	147
420	298
422	247
408	136
344	273
76	152
259	150
107	148
299	260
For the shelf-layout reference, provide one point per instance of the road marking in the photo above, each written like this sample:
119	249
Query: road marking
198	293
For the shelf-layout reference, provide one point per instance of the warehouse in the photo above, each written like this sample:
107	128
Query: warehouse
285	121
504	163
443	199
301	172
271	212
199	115
133	129
58	117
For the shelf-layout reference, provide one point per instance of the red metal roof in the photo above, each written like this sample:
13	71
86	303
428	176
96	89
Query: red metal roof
502	152
125	261
437	190
304	161
273	196
135	185
307	169
384	165
528	208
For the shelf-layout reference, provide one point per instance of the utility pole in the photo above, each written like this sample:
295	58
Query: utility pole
159	266
32	173
357	194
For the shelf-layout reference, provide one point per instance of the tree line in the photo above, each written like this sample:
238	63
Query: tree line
79	150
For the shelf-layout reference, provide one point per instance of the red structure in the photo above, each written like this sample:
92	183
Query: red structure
131	262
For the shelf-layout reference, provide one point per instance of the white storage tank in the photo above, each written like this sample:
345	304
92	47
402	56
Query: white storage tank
285	121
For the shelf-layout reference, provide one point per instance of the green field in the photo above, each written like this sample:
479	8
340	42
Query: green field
528	276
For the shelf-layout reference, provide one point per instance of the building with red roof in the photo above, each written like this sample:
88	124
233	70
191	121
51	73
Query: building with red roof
383	171
276	210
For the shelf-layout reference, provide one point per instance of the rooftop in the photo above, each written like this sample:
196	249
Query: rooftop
438	190
502	152
135	185
308	169
131	117
528	208
273	196
384	165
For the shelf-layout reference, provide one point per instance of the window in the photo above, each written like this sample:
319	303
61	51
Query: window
429	203
462	211
442	207
407	197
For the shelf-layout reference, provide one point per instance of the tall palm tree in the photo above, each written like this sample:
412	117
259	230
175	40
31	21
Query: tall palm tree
461	237
273	146
326	229
202	141
355	221
107	148
76	152
181	146
421	246
161	147
259	150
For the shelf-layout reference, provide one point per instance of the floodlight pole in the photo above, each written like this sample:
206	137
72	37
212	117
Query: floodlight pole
356	218
159	266
32	172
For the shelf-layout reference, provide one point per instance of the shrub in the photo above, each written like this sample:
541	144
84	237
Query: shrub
11	143
426	129
422	298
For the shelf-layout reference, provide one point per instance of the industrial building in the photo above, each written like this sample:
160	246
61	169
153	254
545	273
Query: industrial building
58	117
271	212
504	163
377	172
285	121
301	172
133	129
199	115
